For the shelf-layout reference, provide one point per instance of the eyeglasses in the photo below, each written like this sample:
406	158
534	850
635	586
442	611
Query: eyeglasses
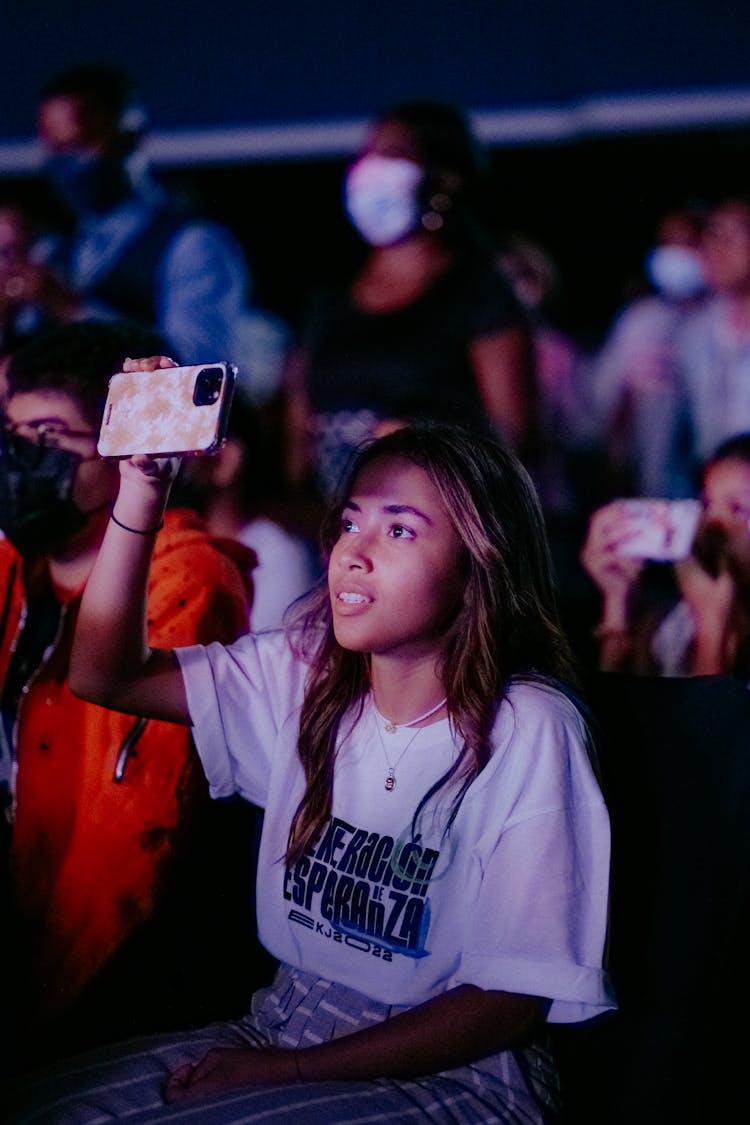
48	434
25	442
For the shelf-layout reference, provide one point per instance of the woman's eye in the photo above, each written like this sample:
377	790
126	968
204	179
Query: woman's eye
347	525
398	531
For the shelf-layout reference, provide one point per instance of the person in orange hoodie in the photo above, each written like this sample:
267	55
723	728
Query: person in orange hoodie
103	806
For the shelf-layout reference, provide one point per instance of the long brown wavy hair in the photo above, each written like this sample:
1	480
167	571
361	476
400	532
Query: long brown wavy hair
507	624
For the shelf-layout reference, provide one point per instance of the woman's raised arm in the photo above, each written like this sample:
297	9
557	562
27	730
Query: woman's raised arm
111	663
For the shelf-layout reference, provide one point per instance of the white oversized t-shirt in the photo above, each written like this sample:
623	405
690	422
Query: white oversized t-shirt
513	897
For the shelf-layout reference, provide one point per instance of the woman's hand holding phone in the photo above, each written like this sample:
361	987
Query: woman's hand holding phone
157	408
145	481
614	571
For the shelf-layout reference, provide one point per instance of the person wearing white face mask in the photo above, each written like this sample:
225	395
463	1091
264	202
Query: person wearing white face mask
427	327
676	271
381	198
632	378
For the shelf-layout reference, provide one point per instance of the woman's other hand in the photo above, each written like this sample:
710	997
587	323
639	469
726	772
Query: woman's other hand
229	1068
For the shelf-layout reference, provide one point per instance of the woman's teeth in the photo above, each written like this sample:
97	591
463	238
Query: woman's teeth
352	599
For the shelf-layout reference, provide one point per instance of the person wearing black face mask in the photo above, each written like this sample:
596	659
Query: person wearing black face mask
134	251
37	513
98	830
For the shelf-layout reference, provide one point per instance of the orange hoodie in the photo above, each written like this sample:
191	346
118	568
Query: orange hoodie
103	800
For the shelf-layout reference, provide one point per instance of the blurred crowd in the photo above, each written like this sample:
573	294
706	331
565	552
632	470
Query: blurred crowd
437	321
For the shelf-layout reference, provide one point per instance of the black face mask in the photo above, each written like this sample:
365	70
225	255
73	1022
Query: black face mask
37	512
88	184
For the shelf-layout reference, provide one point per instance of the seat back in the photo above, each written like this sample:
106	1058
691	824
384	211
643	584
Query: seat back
675	762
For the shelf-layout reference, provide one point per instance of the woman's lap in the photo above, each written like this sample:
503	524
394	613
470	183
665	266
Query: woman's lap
124	1082
122	1095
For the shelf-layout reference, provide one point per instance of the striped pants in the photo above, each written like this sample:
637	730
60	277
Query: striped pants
124	1082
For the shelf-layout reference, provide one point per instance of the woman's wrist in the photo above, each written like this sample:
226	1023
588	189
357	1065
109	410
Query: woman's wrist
606	630
137	530
141	501
708	657
613	621
143	515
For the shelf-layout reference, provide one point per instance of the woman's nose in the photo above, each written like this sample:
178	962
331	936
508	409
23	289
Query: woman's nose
356	554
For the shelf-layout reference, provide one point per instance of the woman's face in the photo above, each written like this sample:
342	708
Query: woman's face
395	575
726	495
726	510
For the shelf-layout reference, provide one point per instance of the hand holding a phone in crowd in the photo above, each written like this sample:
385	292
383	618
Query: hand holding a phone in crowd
614	571
145	480
157	412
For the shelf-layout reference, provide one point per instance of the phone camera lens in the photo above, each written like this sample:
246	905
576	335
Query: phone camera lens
208	386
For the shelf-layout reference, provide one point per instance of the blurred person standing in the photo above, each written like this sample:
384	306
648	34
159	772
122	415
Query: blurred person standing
567	468
427	327
633	396
134	251
31	293
712	358
564	423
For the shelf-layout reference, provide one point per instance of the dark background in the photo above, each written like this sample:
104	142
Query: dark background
252	61
593	205
530	69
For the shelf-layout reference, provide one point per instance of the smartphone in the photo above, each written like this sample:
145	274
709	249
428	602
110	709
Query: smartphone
171	411
659	530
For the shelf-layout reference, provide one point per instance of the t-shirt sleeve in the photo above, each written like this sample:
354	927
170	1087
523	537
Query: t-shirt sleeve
539	922
241	697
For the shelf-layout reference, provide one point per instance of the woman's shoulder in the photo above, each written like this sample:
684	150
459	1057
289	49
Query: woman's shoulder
542	748
542	700
546	716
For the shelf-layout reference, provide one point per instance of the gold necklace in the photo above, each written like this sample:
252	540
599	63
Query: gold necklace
391	727
390	777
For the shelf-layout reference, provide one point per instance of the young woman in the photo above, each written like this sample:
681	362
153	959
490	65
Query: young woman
434	864
705	627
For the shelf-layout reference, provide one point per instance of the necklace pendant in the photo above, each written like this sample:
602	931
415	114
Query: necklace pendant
390	781
390	727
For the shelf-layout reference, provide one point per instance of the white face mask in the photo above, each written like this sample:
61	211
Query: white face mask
676	271
380	197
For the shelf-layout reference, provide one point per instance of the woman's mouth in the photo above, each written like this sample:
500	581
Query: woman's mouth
349	597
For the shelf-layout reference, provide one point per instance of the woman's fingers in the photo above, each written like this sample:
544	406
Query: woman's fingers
148	363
